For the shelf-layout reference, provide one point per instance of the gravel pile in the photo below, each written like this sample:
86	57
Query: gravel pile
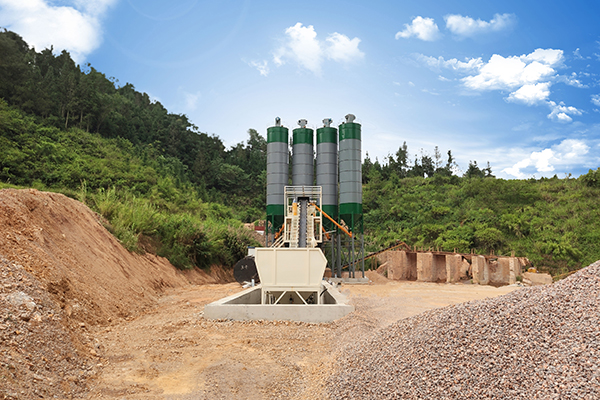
535	343
39	354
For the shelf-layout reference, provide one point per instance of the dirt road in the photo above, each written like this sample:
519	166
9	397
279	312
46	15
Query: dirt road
173	352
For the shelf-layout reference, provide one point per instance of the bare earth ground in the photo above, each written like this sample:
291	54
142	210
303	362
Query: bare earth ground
81	317
172	352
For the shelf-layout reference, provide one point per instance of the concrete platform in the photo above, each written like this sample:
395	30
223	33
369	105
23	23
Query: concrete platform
246	306
351	281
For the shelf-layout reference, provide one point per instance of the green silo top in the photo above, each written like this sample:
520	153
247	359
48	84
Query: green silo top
303	135
349	130
277	134
326	134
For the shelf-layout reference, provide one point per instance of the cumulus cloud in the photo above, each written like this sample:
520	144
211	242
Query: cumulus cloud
562	113
504	73
568	152
76	28
528	78
468	27
596	99
304	48
421	28
531	94
342	48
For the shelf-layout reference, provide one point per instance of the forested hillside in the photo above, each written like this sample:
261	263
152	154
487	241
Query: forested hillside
165	187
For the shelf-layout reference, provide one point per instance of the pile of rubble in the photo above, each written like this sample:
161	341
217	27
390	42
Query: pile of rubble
39	357
539	342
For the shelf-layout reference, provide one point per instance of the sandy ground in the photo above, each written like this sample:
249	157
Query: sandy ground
173	352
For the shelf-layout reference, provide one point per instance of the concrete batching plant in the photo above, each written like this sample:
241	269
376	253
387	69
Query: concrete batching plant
313	222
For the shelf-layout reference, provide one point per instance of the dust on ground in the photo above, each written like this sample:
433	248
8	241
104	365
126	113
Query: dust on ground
173	352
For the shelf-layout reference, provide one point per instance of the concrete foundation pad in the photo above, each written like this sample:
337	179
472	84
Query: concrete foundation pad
351	281
246	306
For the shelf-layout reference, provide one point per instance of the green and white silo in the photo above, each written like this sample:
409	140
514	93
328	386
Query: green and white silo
277	176
303	155
327	171
350	186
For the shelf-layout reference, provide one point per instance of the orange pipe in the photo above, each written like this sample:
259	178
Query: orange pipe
332	220
280	229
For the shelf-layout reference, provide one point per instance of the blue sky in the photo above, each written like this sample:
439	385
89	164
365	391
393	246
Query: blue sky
515	83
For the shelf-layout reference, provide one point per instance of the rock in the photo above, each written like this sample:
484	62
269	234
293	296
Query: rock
536	279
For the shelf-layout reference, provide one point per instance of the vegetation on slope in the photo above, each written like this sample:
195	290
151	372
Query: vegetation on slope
147	201
553	222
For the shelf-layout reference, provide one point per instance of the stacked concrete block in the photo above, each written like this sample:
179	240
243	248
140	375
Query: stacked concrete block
453	268
425	267
501	274
480	270
439	268
400	265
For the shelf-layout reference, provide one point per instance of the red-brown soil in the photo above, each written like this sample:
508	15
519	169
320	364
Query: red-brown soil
56	254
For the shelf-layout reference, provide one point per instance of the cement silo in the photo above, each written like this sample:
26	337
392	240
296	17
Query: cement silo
350	172
303	155
327	168
277	176
350	200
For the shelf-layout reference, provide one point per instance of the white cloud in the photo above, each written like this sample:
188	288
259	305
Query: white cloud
436	64
422	28
342	48
596	99
531	94
572	80
515	170
75	28
467	26
303	47
261	66
542	160
566	153
502	73
562	113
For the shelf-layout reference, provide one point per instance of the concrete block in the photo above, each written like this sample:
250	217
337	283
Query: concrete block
453	268
500	272
439	268
401	265
535	279
425	267
480	270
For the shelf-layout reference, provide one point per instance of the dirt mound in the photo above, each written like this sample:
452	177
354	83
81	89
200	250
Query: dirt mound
63	244
376	277
535	343
62	271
